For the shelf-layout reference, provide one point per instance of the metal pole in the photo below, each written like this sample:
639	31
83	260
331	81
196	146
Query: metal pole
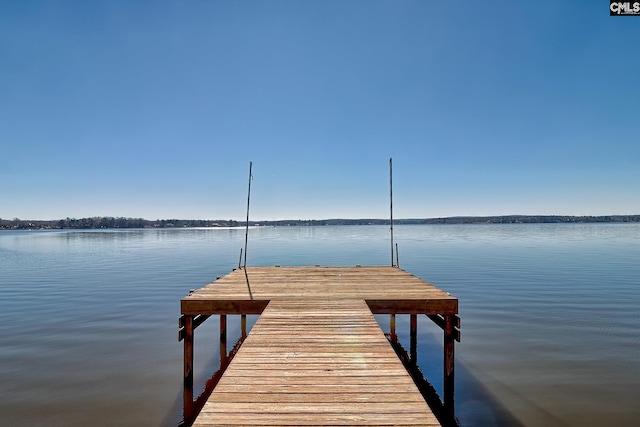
391	204
246	234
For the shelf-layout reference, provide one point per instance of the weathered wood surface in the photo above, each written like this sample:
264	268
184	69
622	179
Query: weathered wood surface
385	289
316	362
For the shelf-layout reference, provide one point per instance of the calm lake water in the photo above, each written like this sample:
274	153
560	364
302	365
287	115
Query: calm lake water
550	317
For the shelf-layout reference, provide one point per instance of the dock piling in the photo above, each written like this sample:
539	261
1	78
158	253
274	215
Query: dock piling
223	339
188	368
449	365
243	326
413	339
392	327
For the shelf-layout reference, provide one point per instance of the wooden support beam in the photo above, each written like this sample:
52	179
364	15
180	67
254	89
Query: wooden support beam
449	366
243	326
204	306
413	338
187	395
439	320
223	339
406	306
198	320
392	328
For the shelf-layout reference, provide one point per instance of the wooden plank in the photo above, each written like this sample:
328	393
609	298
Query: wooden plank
327	419
317	381
332	359
320	373
325	391
332	396
313	409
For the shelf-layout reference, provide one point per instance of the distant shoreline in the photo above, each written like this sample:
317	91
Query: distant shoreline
122	222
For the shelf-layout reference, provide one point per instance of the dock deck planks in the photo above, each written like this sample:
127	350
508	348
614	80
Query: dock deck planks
316	363
386	290
316	356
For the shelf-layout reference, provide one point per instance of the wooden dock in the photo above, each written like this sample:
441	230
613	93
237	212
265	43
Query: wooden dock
316	355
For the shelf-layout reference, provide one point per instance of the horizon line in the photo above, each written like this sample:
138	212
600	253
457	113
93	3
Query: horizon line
14	219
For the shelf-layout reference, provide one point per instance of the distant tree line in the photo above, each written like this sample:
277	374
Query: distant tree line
122	222
531	219
507	219
110	222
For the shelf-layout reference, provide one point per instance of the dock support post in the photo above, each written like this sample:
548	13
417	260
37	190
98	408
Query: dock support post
392	328
187	395
448	383
413	339
243	326
223	339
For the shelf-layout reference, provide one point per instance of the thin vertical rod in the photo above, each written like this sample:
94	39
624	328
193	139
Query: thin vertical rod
397	257
240	259
391	204
246	233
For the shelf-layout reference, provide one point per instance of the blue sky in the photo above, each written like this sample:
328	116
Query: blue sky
154	109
